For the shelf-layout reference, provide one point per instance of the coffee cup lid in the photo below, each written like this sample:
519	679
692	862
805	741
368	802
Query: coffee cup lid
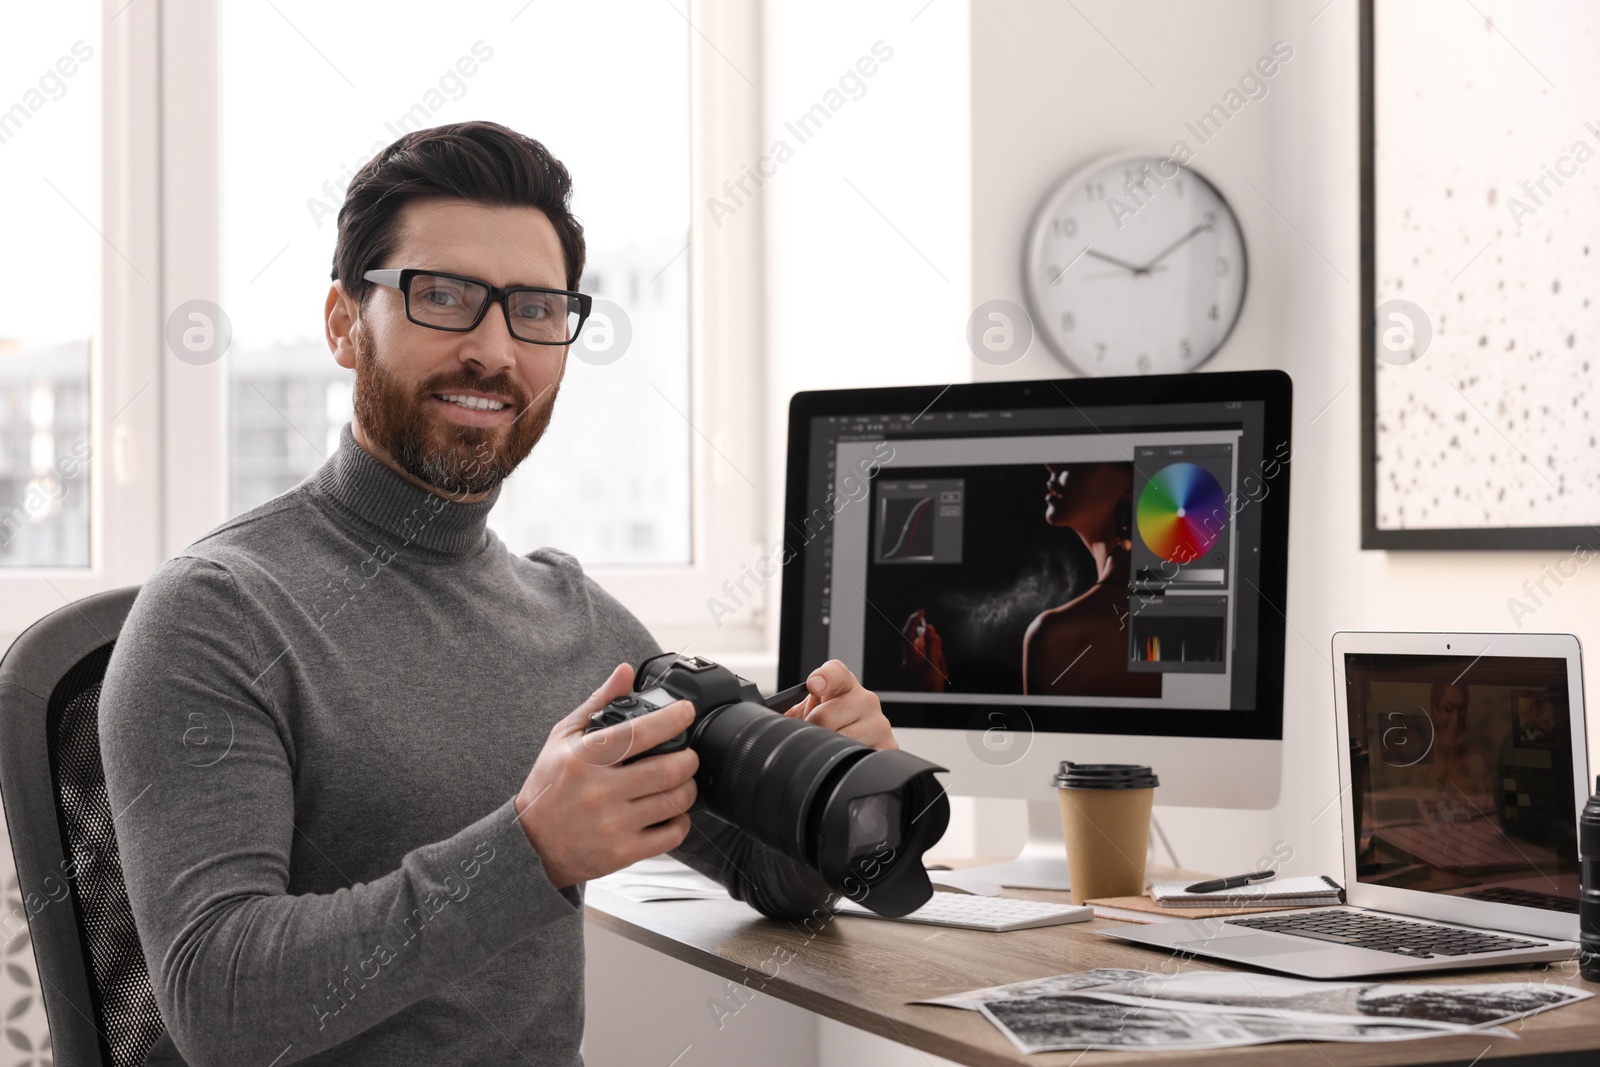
1104	776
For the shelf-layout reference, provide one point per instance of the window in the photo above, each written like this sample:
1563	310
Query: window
49	180
311	91
214	178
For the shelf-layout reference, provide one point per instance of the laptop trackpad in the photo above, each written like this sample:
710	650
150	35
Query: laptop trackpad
1249	946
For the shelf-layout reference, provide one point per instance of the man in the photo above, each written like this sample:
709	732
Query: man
320	718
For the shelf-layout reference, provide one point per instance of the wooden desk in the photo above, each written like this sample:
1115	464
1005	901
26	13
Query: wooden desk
862	972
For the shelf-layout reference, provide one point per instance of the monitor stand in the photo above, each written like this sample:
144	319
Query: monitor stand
1043	861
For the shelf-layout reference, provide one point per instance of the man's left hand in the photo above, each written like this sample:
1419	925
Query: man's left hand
835	699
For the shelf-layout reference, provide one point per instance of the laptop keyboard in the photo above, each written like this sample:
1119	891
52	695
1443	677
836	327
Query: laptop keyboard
1360	930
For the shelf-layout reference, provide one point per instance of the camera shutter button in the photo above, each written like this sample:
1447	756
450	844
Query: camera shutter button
625	702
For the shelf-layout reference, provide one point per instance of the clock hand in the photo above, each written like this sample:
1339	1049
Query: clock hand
1116	262
1179	243
1118	273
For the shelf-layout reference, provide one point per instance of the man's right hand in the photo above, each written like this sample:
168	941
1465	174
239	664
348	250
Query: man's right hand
588	815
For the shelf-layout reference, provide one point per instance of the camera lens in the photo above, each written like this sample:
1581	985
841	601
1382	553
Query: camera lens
861	817
874	824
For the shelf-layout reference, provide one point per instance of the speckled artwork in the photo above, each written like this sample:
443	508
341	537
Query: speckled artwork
1487	263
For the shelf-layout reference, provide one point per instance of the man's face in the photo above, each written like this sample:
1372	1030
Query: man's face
406	372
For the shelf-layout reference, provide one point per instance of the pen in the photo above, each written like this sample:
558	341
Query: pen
1229	883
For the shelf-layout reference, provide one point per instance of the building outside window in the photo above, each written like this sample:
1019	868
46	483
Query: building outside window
49	180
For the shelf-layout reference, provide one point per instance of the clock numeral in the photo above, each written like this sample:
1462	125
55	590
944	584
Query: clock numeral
1210	219
1143	363
1184	349
1067	321
1179	185
1094	191
1212	314
1067	227
1222	266
1099	353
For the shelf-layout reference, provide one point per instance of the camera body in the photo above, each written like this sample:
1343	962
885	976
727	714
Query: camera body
860	817
707	685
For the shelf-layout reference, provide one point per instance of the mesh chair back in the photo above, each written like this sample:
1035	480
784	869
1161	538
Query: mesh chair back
125	1005
95	986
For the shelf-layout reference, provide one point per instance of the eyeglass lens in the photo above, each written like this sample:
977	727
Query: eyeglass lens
453	304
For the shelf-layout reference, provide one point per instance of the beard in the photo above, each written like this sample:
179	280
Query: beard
462	460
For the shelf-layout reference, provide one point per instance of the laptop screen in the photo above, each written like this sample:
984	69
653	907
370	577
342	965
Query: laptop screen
1462	779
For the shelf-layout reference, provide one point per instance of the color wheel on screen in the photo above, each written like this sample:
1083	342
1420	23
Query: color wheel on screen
1182	512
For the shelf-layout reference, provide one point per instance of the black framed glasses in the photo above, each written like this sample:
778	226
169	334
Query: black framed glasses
457	303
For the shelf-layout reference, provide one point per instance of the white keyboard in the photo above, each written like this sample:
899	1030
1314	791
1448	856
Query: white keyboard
972	912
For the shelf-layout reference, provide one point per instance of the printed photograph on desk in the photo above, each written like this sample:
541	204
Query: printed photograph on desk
1056	983
1467	789
1425	1006
1084	579
1061	1022
1112	1008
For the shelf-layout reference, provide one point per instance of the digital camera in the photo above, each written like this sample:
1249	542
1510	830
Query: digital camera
860	817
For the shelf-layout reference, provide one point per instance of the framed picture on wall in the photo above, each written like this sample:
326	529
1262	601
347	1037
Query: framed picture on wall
1480	264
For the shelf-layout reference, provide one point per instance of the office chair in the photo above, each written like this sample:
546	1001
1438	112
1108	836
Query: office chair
92	977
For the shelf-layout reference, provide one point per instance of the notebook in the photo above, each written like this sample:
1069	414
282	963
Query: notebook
1145	910
1302	892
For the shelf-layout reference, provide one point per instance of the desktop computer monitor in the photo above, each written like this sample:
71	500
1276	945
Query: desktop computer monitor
1030	572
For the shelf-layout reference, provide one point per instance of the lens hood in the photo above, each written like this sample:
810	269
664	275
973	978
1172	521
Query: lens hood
894	883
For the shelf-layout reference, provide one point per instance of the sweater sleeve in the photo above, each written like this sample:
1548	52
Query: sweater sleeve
200	767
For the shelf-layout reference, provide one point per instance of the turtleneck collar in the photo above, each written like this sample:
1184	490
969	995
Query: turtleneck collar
359	485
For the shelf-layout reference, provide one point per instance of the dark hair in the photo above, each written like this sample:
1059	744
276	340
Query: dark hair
481	162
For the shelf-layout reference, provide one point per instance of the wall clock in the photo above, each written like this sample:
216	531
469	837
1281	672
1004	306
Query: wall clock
1136	265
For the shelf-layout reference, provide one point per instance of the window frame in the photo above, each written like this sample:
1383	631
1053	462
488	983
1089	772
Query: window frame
726	387
126	388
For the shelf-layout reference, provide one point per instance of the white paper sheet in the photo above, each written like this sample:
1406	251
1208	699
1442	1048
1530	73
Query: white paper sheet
660	878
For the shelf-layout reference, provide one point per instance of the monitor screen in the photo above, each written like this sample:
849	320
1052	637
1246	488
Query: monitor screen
1095	556
1462	776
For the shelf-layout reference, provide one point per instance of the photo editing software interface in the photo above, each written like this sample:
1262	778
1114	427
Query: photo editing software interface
1093	556
1462	776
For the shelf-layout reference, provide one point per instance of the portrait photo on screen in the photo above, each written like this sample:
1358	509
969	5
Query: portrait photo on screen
1036	599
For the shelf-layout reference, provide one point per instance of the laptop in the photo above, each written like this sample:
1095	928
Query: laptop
1463	766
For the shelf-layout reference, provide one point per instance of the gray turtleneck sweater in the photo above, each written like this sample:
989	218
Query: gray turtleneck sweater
313	725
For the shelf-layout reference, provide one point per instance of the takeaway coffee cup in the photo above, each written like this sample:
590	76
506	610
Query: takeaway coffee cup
1105	814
